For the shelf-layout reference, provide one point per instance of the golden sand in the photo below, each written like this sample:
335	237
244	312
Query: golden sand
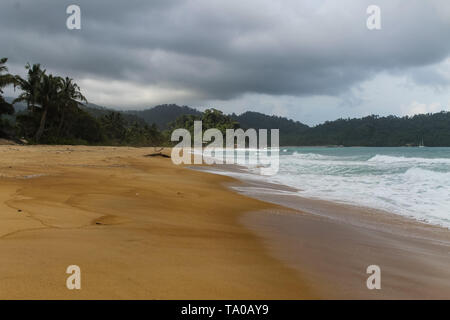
138	227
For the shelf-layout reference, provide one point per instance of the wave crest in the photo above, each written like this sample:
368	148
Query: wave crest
392	159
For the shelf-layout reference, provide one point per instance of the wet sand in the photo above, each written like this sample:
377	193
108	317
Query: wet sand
332	245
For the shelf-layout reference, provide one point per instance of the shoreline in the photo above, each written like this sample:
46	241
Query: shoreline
143	228
138	227
268	191
334	243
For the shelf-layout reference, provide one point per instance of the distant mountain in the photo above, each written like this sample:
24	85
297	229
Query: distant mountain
18	106
164	114
94	110
161	115
98	111
290	130
375	131
433	129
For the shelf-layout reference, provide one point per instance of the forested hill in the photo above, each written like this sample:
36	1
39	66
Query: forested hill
391	131
290	130
162	115
99	112
432	129
52	109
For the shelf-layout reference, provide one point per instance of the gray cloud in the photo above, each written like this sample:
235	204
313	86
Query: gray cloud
220	50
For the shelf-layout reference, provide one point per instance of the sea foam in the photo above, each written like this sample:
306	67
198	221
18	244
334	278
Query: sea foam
413	182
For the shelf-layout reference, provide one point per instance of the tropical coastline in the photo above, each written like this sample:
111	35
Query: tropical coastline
336	255
411	182
332	243
221	155
140	227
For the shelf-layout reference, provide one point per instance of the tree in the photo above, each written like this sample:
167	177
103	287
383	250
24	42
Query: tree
211	118
5	80
30	87
48	95
114	126
55	115
70	98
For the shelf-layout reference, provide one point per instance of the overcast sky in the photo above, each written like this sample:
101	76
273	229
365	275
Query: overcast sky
311	60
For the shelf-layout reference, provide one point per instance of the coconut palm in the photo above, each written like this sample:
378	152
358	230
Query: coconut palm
48	98
46	94
36	93
70	97
30	86
5	80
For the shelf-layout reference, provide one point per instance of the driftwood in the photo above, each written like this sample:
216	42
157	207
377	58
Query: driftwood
158	153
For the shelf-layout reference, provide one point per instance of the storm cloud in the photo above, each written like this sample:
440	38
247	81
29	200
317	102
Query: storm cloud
144	52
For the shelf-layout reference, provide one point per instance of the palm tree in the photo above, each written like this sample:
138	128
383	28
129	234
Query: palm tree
30	87
114	125
5	79
70	98
48	97
45	93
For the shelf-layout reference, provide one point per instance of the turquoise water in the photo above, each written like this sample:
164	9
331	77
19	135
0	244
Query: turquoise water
414	182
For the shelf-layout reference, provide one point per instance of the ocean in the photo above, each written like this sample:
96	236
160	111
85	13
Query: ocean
414	182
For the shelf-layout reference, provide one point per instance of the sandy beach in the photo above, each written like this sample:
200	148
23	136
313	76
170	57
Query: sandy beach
138	227
142	228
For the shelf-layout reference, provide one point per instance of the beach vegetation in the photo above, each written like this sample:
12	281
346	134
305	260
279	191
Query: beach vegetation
5	107
51	109
56	113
